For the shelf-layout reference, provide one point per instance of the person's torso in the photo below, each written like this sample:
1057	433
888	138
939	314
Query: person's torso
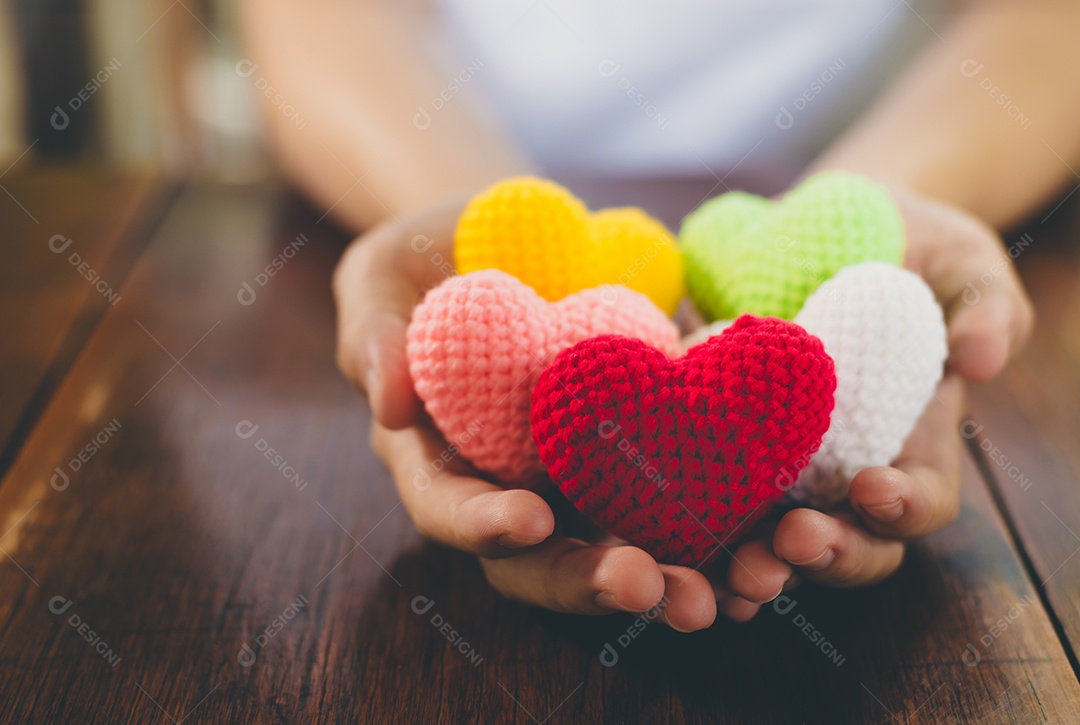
640	86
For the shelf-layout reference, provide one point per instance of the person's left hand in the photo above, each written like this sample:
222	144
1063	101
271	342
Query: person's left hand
988	321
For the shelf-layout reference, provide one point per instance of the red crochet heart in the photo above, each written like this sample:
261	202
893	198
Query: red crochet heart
676	456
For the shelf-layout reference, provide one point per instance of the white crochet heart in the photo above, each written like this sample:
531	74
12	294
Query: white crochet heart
886	334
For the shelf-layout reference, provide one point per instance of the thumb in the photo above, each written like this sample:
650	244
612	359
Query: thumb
374	303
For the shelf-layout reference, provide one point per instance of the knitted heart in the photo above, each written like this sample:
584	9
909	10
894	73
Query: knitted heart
680	457
744	253
886	335
477	343
545	236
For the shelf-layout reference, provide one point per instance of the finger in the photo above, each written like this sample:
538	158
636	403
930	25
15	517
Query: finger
568	575
736	608
756	573
379	280
921	493
964	262
690	604
831	550
374	304
984	335
451	505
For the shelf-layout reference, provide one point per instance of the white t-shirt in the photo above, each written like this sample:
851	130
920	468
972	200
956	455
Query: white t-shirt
678	86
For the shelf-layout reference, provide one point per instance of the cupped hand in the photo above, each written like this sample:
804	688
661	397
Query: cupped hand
385	273
989	317
379	280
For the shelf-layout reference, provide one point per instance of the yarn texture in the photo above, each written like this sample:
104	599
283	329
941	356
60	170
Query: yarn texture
542	234
886	334
681	457
747	254
478	342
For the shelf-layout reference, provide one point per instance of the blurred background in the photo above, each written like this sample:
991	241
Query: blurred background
150	85
165	86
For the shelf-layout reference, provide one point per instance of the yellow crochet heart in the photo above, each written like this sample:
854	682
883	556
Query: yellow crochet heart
542	234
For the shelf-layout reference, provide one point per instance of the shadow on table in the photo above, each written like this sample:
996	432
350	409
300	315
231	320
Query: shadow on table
817	652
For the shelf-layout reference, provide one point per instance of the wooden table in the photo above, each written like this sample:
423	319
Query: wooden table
194	528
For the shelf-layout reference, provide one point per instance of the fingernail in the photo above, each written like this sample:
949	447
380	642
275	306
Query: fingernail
888	512
372	374
739	609
668	623
769	599
819	562
372	380
607	600
510	541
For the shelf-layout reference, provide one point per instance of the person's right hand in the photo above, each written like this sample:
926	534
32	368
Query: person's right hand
379	280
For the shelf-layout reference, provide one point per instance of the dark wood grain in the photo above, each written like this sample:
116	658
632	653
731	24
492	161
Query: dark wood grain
47	305
178	542
1027	423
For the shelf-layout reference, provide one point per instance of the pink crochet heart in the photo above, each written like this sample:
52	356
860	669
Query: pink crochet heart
478	342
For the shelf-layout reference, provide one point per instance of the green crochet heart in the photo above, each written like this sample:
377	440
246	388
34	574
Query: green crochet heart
747	254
